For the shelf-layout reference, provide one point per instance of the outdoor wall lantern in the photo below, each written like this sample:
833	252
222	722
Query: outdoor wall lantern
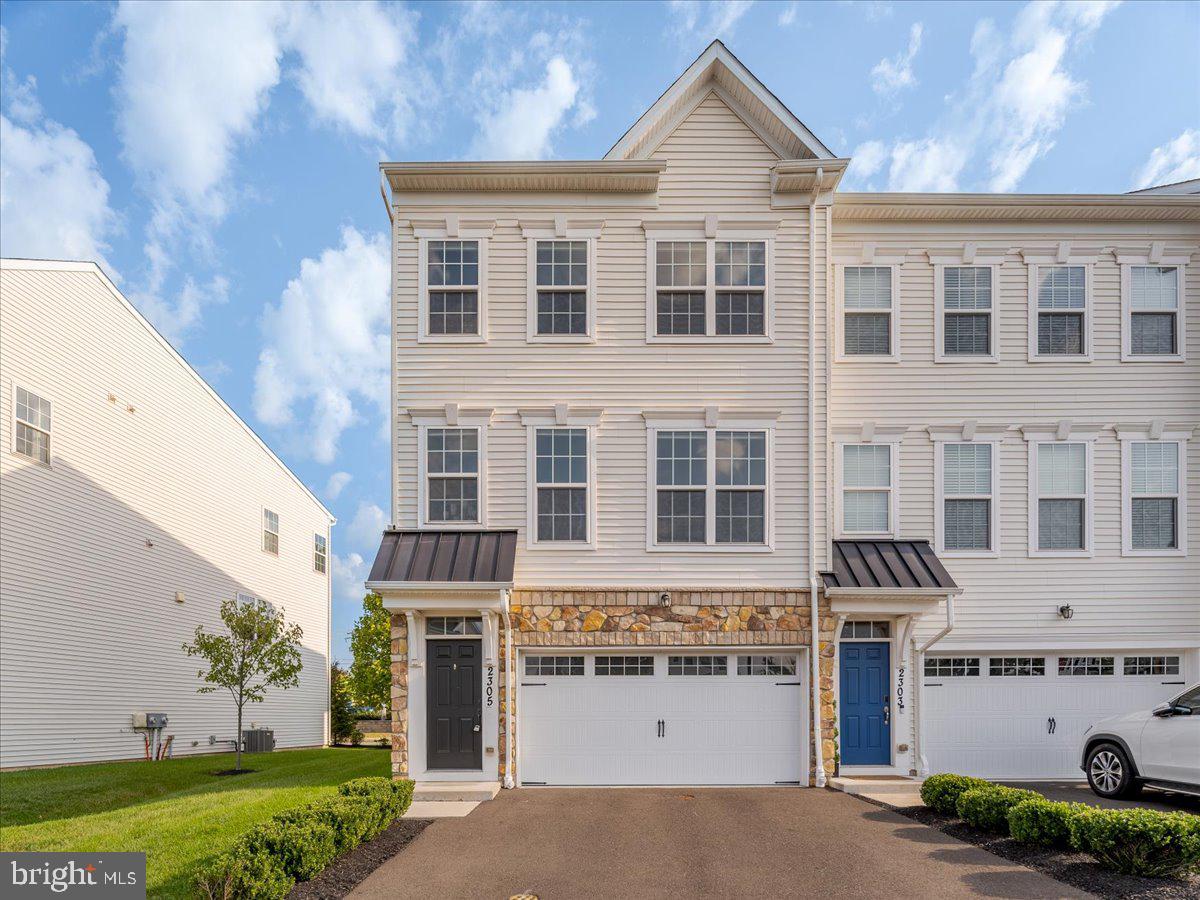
1065	611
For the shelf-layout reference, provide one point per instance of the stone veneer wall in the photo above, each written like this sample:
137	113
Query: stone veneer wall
566	618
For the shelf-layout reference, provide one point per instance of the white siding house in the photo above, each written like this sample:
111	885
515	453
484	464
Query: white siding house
685	427
133	501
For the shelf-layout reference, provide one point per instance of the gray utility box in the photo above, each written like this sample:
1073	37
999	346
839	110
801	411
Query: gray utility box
149	720
258	740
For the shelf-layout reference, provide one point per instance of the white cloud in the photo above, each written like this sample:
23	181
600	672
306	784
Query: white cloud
366	528
53	198
177	316
336	484
705	20
895	74
1013	105
787	15
1176	160
867	159
348	573
355	67
522	127
326	344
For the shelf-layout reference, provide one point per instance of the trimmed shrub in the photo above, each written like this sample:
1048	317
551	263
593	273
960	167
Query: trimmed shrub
267	861
244	875
1139	841
1043	822
988	807
941	792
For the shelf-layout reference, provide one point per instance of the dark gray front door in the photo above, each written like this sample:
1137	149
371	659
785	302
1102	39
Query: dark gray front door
455	711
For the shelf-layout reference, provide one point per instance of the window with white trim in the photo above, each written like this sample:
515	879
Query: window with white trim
270	532
624	665
951	666
1061	298
967	479
452	282
31	434
1151	665
561	484
553	665
1016	666
1085	665
452	475
1154	488
711	288
1153	310
320	554
722	500
561	286
967	311
1062	495
867	311
867	484
697	665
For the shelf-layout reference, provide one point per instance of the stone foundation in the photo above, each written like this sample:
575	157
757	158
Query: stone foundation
557	618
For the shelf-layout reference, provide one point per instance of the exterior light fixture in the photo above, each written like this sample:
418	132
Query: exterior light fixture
1065	611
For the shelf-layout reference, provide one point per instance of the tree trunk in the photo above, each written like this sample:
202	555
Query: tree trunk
238	740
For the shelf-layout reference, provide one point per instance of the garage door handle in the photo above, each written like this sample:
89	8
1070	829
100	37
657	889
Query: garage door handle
661	727
1051	724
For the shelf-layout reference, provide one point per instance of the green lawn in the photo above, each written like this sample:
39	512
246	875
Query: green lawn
175	810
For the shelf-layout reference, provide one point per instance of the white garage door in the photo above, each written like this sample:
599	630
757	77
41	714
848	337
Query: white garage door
662	718
1017	717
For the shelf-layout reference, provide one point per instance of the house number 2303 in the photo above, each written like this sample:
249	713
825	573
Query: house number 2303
900	689
491	680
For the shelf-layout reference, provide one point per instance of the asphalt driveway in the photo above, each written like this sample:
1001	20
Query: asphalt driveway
1079	792
715	842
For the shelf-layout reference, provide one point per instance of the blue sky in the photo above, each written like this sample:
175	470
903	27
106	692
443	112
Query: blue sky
220	160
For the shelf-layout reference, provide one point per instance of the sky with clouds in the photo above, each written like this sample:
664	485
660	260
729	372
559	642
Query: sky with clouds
219	160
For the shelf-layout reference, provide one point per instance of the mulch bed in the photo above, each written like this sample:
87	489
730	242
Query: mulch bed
352	868
1076	869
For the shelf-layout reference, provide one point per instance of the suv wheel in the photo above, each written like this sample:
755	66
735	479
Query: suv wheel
1109	772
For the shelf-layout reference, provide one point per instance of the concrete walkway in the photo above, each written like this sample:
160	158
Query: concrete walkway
715	842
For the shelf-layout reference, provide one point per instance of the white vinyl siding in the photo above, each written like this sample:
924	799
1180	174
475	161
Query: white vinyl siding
153	493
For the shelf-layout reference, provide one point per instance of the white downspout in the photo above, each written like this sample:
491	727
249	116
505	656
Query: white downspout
510	746
918	676
814	617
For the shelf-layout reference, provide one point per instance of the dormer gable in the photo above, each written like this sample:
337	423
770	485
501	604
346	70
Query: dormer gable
717	71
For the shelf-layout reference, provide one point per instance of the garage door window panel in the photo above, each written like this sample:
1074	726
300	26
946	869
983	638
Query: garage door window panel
624	665
1151	665
1085	665
1016	666
553	665
951	666
766	665
697	665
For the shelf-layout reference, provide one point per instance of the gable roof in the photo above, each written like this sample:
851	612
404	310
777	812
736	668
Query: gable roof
84	267
717	70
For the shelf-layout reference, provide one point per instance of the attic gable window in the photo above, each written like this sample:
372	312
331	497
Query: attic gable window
31	436
713	288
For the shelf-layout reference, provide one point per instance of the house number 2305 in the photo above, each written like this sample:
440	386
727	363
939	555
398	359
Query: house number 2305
491	679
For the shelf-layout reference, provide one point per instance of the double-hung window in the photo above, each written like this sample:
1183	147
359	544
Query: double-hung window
452	301
967	497
1154	491
452	464
320	554
711	288
1061	513
869	312
561	473
868	480
1152	326
561	291
1061	312
711	487
966	307
31	432
270	532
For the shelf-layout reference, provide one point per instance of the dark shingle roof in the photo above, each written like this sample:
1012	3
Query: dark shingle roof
445	556
905	565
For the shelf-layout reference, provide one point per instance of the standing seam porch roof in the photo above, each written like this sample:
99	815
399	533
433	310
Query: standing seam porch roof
880	565
469	557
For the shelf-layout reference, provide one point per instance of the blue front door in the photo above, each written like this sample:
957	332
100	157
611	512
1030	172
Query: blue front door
866	730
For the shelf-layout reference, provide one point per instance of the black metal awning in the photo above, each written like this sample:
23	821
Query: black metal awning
445	557
907	566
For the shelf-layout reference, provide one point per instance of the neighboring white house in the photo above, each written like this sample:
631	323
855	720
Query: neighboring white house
133	501
707	472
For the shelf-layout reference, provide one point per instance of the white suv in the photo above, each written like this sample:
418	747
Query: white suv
1157	747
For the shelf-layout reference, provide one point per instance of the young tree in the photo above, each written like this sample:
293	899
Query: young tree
259	650
341	712
371	644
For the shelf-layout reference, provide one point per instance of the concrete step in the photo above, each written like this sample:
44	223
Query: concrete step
439	809
876	784
455	791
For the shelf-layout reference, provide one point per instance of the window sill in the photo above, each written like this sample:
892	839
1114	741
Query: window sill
559	546
1061	554
1153	358
1177	552
969	554
31	461
451	339
864	359
560	339
453	526
710	548
1062	358
707	339
865	536
967	359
